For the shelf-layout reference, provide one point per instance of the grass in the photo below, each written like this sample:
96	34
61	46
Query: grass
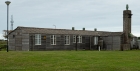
70	61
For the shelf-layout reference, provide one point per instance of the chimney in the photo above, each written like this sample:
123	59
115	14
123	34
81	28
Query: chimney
83	29
73	28
95	29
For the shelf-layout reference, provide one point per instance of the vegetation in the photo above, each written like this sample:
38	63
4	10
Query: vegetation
139	38
5	33
70	61
3	45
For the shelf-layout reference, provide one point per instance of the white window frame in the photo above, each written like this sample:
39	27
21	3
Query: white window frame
67	40
79	39
37	39
95	40
53	39
74	39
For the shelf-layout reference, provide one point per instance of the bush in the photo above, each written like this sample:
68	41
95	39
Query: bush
138	37
3	46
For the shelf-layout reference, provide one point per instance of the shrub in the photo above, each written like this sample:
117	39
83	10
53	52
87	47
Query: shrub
138	37
3	46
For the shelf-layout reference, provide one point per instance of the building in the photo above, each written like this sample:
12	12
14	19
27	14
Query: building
30	38
138	44
34	39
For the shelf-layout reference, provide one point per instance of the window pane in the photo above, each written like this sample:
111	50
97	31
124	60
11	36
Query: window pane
51	41
78	39
65	42
54	41
67	39
39	42
51	38
37	39
39	36
95	40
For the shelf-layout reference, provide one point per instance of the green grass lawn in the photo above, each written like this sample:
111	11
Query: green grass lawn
70	61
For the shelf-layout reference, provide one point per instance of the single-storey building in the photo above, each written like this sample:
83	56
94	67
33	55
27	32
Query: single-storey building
32	39
138	44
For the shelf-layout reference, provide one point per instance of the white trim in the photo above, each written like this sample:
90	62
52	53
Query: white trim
67	40
74	38
95	40
53	39
37	39
80	39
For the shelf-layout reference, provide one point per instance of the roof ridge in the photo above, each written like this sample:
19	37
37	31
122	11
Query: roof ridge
66	29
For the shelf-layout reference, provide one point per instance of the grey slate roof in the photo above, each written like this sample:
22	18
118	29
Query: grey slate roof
34	30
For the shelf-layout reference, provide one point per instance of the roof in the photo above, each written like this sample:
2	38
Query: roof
33	30
131	35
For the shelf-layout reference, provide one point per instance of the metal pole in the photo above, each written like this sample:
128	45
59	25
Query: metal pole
7	25
7	3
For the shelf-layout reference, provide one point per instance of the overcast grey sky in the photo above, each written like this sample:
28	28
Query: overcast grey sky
105	15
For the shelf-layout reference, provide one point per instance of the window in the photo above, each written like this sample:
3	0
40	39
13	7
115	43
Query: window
37	39
79	39
53	39
13	36
74	39
67	40
95	40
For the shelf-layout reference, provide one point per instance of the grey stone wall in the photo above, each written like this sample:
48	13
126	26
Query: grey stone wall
11	44
15	40
18	41
25	42
46	45
127	29
112	42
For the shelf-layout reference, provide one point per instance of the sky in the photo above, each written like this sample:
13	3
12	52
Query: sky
105	15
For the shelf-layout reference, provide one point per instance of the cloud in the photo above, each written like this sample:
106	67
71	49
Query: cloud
100	14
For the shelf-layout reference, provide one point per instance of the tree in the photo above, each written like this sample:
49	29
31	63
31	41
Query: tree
139	38
5	33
